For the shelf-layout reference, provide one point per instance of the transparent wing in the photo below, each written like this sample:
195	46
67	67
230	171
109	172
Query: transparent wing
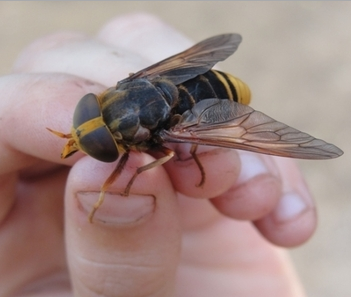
226	123
194	61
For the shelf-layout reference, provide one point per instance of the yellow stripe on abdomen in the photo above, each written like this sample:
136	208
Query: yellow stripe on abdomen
233	84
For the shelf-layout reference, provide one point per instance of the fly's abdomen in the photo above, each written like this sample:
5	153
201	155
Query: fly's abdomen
212	84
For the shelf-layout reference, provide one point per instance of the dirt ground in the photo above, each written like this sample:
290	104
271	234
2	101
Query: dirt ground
296	57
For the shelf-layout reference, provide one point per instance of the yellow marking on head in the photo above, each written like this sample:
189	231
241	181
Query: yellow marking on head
87	127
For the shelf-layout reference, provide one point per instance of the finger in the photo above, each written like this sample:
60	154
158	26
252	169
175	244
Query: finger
132	247
7	194
34	102
255	192
31	238
294	218
235	247
144	34
118	51
78	55
221	168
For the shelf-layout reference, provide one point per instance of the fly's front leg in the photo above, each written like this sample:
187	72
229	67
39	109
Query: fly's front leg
168	155
198	163
113	176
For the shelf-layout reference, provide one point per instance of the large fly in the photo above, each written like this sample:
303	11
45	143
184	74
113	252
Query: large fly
181	99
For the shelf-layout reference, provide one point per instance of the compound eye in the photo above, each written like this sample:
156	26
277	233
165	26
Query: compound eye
100	145
87	108
93	136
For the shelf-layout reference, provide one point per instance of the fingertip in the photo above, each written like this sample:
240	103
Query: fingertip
45	100
122	26
135	237
294	219
291	223
251	200
137	31
87	176
221	169
80	55
254	193
28	57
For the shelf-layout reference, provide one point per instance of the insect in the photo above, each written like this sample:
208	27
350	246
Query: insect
181	100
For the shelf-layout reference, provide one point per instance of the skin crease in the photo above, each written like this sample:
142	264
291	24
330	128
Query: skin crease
160	241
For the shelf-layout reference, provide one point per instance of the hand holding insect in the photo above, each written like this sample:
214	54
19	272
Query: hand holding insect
145	229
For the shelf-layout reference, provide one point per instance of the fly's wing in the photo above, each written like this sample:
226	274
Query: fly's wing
226	123
194	61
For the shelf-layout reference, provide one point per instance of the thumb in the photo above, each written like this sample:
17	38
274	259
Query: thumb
132	247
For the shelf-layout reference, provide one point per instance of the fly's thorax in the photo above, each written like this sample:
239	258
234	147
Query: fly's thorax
133	110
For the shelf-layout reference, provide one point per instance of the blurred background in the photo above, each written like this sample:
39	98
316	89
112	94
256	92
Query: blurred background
295	56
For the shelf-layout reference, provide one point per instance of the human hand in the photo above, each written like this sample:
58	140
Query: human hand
158	241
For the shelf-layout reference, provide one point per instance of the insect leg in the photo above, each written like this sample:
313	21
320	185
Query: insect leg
59	134
168	155
115	173
198	163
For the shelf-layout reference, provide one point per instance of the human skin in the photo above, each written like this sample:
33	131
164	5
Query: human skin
159	241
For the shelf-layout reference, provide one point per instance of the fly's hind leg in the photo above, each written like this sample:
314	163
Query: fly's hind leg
113	176
168	155
199	165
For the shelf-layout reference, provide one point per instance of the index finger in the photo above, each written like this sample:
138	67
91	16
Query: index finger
32	103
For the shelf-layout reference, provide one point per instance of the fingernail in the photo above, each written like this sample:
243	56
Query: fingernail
290	206
251	166
117	209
